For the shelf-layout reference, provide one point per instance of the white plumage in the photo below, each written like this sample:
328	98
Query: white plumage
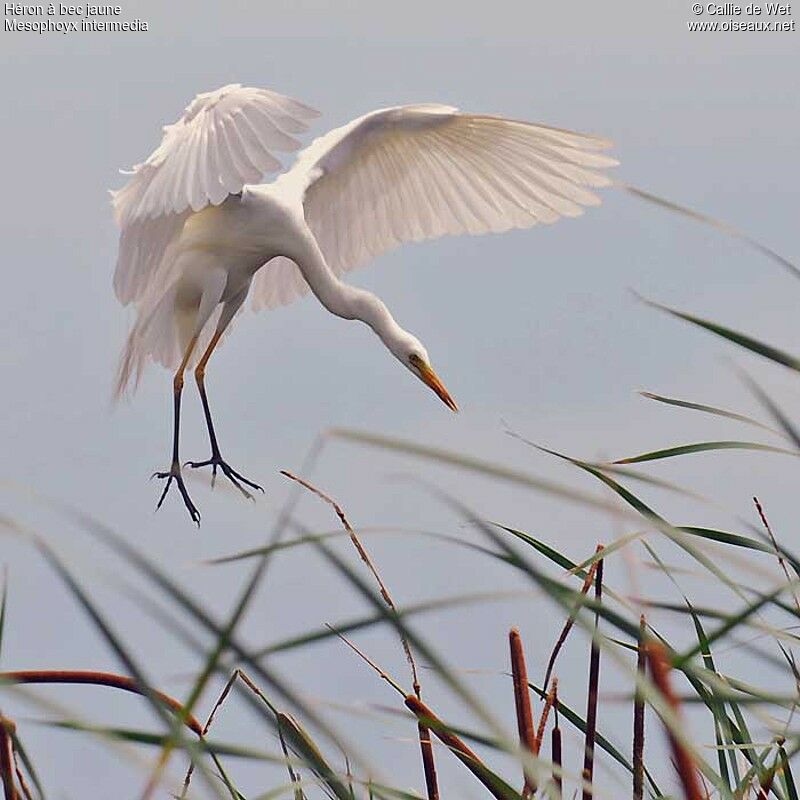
197	231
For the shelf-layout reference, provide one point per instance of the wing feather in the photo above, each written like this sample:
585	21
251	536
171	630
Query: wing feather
265	123
223	140
236	147
411	173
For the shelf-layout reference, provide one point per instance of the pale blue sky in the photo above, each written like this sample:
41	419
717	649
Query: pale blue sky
535	328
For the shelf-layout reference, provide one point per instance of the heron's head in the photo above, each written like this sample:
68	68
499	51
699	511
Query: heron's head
408	350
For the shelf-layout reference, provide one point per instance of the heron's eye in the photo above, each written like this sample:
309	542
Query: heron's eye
415	360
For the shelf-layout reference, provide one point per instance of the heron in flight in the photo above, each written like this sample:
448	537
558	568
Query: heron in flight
199	232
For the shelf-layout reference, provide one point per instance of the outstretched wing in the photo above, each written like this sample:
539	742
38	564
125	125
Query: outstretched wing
224	140
418	172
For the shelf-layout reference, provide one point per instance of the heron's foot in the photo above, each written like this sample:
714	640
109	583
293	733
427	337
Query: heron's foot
216	462
174	474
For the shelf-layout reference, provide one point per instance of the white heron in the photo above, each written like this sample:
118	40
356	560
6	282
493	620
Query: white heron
198	232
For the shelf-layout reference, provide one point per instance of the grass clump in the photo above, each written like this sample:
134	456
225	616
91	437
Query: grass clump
684	689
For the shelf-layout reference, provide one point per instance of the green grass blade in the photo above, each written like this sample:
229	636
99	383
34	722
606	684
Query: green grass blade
303	541
740	339
151	739
259	671
282	791
651	480
470	464
630	498
774	410
368	621
726	537
702	447
707	409
786	772
718	224
670	531
731	623
421	646
545	550
305	747
744	742
567	598
122	654
578	570
722	730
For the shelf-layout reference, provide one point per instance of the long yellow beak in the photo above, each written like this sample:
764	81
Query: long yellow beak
432	379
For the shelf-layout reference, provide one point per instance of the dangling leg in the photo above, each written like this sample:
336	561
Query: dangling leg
191	317
175	468
228	312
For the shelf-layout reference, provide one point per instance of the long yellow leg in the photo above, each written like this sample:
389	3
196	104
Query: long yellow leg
200	369
216	459
175	468
177	380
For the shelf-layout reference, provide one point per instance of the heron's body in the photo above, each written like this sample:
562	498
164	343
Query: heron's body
199	233
215	255
232	241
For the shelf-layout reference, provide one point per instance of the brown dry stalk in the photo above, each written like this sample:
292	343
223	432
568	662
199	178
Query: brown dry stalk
426	748
348	527
587	582
8	740
594	680
247	681
7	759
110	679
220	700
557	779
556	745
638	716
548	704
466	756
365	557
684	762
778	553
367	660
522	704
428	763
23	784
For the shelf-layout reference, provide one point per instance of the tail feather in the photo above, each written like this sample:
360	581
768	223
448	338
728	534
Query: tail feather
154	334
161	333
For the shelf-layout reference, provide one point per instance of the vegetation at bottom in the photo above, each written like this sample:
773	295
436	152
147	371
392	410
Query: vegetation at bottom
725	702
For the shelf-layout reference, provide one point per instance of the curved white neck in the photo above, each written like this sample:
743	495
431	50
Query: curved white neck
348	302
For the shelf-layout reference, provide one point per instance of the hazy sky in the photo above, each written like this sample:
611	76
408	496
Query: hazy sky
537	329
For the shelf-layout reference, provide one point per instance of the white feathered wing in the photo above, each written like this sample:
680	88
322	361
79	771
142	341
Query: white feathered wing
417	172
224	140
395	175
